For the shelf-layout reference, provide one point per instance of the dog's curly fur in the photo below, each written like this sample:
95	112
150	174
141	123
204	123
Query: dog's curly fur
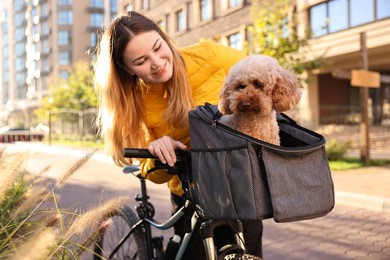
254	90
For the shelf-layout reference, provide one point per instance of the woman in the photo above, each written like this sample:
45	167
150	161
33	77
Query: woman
147	86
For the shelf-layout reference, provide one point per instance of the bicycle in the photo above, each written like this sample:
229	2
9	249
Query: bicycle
131	237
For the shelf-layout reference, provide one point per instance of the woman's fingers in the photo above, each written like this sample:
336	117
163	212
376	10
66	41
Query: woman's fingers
164	148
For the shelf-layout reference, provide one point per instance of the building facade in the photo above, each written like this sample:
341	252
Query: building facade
336	26
42	41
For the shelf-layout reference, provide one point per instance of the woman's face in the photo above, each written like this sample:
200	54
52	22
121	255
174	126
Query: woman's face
149	57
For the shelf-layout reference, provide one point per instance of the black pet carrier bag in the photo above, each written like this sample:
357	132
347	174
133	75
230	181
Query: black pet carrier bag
238	177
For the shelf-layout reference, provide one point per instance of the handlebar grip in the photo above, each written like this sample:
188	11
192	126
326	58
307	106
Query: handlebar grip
181	155
137	153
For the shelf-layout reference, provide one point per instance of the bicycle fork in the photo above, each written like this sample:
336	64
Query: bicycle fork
207	233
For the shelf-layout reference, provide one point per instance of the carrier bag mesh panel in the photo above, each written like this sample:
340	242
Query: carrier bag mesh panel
227	183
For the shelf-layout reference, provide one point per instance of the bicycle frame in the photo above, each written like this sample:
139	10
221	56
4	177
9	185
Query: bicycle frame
146	221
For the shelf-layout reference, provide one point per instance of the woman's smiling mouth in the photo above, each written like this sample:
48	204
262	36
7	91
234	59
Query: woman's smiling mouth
161	70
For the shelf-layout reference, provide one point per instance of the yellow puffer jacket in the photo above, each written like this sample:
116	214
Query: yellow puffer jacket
207	66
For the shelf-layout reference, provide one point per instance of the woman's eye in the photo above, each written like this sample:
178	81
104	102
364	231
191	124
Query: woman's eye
139	63
157	48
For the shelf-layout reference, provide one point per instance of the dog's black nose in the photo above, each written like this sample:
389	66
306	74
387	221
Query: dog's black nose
245	106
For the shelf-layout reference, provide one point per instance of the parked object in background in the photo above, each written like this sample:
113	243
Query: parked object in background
10	135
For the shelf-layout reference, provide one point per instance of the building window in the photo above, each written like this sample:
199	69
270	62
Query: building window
64	2
114	6
45	65
64	75
113	9
96	20
361	12
162	24
18	5
45	28
93	39
235	40
336	15
96	3
204	10
19	49
19	19
19	34
382	9
45	49
45	10
234	3
63	38
65	17
145	5
64	58
337	19
180	21
20	64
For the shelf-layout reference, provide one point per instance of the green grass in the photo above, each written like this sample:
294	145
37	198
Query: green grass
80	144
348	164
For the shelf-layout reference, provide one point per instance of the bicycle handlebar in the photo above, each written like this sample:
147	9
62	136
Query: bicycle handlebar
182	166
181	155
137	153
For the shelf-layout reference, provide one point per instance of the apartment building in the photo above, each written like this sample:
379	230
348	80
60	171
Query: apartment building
337	26
188	22
41	41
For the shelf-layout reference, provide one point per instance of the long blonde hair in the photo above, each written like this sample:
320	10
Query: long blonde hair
121	117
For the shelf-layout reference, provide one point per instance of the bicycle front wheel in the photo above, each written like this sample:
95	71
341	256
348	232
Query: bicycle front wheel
133	248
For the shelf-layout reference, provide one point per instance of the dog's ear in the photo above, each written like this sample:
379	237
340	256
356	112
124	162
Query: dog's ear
223	105
287	90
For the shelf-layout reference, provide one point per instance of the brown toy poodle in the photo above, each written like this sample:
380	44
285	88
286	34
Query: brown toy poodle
254	90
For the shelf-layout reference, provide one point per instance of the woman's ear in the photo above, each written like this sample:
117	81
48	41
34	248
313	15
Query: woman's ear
287	91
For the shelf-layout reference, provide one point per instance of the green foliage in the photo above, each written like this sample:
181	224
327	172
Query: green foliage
336	150
353	163
77	92
274	33
29	229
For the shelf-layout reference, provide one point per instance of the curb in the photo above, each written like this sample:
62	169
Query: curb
359	200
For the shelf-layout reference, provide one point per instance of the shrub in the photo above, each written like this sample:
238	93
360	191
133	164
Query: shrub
336	150
29	231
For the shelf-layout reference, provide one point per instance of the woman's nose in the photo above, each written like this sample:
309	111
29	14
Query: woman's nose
156	62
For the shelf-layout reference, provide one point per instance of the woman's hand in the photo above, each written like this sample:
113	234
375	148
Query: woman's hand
164	148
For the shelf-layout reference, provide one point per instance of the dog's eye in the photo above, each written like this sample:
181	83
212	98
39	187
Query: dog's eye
241	86
258	84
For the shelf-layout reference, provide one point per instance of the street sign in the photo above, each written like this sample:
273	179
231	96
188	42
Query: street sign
365	78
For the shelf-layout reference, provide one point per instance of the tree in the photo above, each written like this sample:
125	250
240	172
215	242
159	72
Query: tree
76	92
274	33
